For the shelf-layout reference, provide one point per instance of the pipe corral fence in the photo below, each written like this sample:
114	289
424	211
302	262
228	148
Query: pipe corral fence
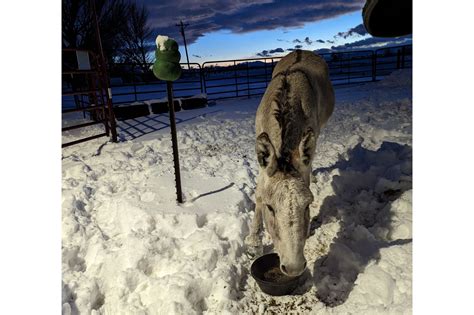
84	81
223	79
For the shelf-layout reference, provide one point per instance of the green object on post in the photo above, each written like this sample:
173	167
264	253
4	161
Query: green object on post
166	71
167	68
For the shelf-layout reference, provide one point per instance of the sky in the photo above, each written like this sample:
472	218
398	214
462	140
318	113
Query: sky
227	45
239	29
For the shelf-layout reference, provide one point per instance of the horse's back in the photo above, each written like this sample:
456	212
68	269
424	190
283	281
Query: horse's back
317	72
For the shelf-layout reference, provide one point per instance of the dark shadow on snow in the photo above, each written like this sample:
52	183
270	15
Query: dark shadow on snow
368	182
133	128
212	192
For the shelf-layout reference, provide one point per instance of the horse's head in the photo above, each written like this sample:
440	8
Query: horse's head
286	197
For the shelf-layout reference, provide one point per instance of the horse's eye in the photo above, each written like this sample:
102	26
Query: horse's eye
271	209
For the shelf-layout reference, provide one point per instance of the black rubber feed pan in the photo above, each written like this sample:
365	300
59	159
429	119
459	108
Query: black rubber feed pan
266	271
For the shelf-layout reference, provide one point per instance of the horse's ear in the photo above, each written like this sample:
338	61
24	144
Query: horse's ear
307	146
266	154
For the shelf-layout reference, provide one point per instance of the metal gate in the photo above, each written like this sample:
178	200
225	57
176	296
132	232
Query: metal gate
85	86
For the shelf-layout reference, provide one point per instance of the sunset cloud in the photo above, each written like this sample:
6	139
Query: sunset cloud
266	53
358	30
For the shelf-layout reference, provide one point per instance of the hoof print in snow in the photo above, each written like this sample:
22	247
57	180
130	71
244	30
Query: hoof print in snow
145	266
333	291
201	220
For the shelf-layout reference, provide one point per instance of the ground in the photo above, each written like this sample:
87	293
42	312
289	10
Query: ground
129	248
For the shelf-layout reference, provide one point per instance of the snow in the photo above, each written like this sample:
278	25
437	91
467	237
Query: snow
129	248
160	41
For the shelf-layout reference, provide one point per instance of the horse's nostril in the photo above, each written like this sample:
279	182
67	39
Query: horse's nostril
283	268
304	267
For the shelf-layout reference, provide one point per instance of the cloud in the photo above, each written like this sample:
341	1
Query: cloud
307	41
295	48
276	50
266	53
370	43
240	16
358	30
364	44
323	51
301	41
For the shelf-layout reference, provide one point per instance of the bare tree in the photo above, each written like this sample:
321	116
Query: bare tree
79	31
136	40
76	22
78	28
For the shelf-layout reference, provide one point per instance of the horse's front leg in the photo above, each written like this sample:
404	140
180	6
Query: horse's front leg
254	239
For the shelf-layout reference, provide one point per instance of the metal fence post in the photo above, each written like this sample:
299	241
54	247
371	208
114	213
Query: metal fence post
134	85
235	79
403	57
398	58
248	83
203	75
374	66
200	77
349	70
265	68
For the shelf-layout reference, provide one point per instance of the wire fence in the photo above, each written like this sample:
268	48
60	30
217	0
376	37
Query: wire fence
222	79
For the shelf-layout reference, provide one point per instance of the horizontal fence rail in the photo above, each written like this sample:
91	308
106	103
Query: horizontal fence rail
222	79
84	84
